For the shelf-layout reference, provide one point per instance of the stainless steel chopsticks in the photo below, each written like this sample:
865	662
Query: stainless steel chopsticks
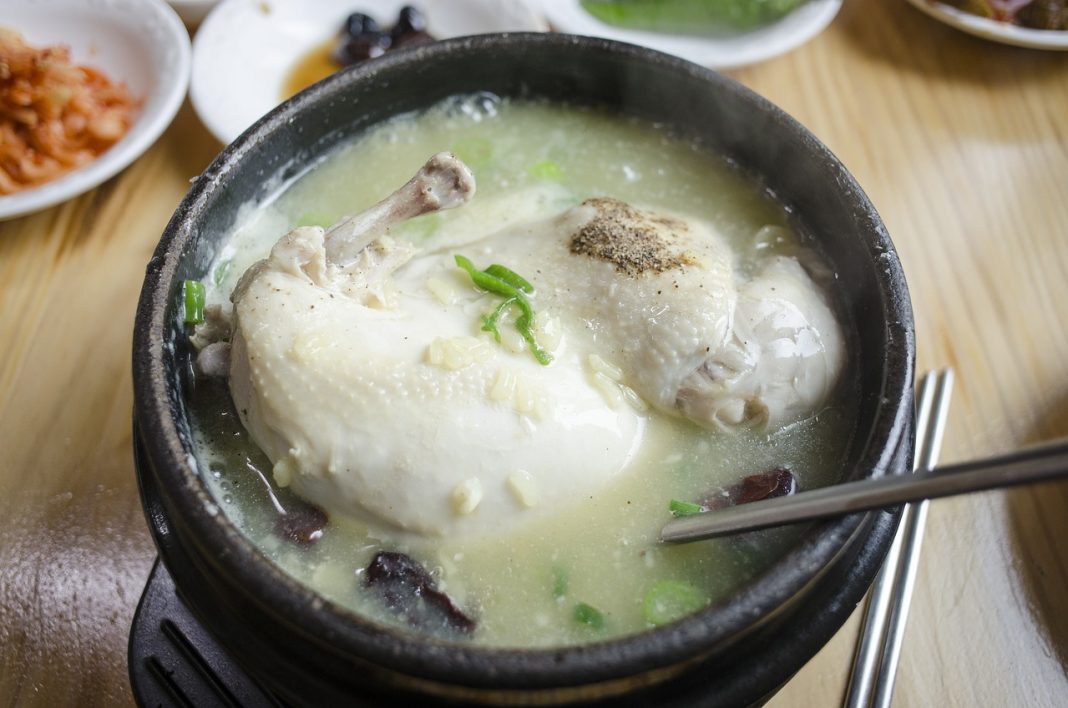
1034	464
878	648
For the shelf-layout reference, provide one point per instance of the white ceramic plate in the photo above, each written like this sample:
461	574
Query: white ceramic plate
139	42
246	49
992	29
791	31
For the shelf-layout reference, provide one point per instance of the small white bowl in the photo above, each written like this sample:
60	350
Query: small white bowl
733	51
245	49
139	42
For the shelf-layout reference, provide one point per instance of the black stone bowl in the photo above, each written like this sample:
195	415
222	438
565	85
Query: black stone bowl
309	651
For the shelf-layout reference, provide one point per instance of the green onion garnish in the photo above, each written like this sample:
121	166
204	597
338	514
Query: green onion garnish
523	323
547	169
589	616
560	582
670	600
511	277
194	301
486	281
473	150
512	287
220	272
684	508
489	322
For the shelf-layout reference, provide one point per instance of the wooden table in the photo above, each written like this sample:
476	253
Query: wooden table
963	147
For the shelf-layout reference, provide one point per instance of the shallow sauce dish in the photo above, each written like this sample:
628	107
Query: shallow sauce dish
308	650
140	43
245	51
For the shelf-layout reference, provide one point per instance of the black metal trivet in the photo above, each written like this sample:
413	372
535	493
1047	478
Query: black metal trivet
175	663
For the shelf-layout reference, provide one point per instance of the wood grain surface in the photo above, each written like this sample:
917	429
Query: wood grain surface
963	147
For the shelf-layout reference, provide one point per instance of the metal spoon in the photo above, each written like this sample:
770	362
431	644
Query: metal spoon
1034	464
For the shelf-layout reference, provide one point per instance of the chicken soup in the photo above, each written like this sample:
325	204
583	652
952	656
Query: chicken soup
465	401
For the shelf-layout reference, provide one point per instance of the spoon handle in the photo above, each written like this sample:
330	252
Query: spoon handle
1033	464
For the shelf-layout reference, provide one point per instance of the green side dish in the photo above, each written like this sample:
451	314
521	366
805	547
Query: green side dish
693	17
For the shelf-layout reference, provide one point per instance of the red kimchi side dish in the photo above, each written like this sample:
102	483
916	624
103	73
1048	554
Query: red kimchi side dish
54	116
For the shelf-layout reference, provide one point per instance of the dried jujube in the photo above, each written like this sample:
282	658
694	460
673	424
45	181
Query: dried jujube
409	591
778	482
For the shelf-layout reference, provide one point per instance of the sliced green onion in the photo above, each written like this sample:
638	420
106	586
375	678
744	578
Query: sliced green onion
484	280
547	169
510	276
473	150
512	290
523	324
220	272
589	616
194	301
560	582
489	322
670	600
684	508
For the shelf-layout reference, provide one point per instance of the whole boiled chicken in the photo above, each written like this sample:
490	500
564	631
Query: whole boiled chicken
439	394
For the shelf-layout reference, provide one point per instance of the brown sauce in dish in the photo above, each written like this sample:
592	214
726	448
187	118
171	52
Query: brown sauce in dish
361	38
314	66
